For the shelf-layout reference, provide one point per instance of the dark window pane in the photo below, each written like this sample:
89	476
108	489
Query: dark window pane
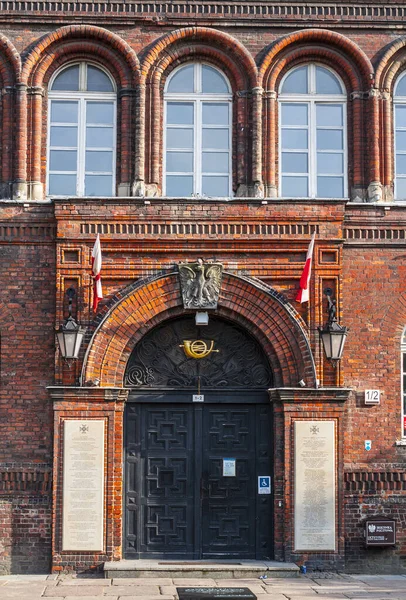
179	113
64	136
215	187
330	187
99	113
68	80
213	82
98	185
326	82
63	111
98	81
182	81
179	185
179	162
97	161
63	160
62	185
296	82
294	187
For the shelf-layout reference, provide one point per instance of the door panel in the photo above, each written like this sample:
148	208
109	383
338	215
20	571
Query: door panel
165	495
228	516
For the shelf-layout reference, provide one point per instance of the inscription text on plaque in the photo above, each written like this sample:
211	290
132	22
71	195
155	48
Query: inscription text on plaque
83	484
315	485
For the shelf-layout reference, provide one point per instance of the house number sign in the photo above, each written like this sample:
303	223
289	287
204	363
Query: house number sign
372	396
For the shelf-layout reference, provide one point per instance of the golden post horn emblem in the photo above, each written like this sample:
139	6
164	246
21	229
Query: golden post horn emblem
197	348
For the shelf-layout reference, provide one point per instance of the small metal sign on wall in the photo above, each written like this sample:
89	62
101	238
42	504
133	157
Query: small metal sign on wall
380	533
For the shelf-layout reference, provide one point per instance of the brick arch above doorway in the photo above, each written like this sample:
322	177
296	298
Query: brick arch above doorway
258	308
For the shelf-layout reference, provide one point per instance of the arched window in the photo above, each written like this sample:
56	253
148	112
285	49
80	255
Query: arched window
403	383
312	134
82	132
400	137
197	133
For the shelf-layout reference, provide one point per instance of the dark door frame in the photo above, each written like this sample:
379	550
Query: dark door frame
213	396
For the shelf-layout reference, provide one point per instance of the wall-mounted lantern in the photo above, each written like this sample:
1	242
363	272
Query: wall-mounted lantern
332	334
70	334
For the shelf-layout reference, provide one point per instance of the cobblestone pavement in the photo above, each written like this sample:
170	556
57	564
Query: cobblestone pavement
305	587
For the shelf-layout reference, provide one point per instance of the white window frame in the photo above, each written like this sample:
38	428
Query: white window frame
312	99
82	97
197	98
397	100
403	382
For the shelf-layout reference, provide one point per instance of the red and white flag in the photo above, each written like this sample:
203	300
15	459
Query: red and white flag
303	293
96	269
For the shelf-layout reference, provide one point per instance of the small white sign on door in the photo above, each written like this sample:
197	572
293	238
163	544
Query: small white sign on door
229	467
264	484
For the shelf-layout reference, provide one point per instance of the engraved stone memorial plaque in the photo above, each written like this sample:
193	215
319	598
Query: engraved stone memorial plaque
314	485
83	485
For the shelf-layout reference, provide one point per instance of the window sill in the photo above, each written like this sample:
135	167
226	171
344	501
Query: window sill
400	442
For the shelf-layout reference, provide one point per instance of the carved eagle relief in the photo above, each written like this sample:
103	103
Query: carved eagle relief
200	284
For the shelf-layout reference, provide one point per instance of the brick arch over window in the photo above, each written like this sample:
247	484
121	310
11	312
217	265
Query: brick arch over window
10	71
390	66
355	69
230	56
67	44
257	308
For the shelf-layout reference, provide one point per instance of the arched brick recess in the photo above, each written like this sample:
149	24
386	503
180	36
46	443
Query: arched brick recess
354	67
392	326
256	307
388	69
77	42
10	71
228	54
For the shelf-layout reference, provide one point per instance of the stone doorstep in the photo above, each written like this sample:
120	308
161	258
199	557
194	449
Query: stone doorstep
199	569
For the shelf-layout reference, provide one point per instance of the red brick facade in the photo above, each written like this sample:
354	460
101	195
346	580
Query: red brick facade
45	247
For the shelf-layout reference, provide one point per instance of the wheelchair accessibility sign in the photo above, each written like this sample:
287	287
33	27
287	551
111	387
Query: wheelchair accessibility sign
264	485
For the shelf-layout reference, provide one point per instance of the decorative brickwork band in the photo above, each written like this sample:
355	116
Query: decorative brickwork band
368	482
24	480
255	306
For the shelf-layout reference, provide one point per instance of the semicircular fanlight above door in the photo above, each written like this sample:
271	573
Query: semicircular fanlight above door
158	361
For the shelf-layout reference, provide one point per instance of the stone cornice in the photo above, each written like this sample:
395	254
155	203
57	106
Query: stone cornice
302	394
359	14
87	394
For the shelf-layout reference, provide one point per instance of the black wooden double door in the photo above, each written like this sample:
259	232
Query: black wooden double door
183	499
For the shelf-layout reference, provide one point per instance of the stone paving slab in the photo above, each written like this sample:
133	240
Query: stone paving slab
274	597
136	597
123	590
369	594
297	591
24	577
89	597
168	590
86	582
89	590
18	594
195	582
146	581
332	595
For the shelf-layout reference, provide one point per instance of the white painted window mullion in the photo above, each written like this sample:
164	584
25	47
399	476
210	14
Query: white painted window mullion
197	183
312	150
81	148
